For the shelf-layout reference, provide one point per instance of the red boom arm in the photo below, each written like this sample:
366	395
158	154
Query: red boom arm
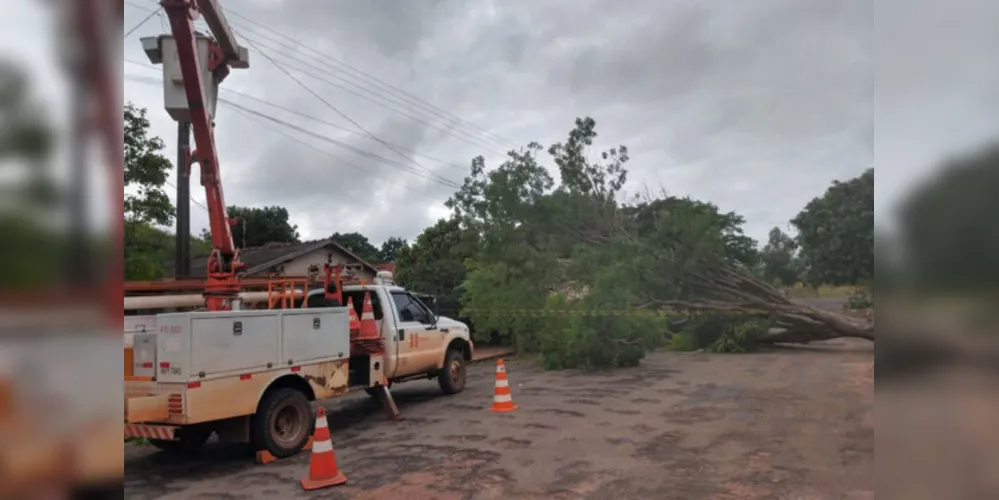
222	284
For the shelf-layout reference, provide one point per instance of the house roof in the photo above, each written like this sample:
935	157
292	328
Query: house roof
259	259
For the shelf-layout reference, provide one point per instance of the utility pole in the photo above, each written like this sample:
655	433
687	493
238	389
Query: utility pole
182	266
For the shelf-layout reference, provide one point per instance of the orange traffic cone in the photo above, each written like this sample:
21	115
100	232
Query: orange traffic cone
323	471
502	400
355	324
369	329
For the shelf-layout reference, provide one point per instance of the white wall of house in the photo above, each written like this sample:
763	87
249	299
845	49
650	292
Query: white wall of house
300	265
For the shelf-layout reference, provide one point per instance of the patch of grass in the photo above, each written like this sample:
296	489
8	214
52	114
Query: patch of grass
683	342
824	291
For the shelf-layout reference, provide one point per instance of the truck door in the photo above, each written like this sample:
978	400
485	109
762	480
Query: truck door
420	341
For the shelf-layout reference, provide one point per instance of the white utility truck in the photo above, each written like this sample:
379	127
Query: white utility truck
250	375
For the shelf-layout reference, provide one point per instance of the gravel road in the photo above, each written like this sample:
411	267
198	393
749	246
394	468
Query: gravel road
789	423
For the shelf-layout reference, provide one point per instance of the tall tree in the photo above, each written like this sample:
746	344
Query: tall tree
391	248
836	233
146	171
147	206
948	228
435	263
257	226
359	244
553	246
779	259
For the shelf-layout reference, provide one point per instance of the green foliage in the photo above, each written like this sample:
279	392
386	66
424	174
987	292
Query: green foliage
683	342
779	260
860	299
259	226
948	226
391	248
149	250
836	233
574	339
359	245
716	333
740	335
571	248
435	263
146	171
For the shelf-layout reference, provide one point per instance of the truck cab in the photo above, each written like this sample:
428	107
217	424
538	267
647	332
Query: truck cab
419	343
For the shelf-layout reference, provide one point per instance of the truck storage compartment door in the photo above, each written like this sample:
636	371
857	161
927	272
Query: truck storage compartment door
234	343
144	355
314	334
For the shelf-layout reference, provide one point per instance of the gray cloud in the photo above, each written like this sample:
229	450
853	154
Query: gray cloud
755	106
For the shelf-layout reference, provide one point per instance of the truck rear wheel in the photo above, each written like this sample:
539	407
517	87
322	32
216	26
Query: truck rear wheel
283	423
452	375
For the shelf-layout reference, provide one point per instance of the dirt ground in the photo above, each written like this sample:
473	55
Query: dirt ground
791	423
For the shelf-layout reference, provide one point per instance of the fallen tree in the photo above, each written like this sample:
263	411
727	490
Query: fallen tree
553	267
722	289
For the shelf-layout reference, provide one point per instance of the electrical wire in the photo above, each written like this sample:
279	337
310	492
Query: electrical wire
339	160
298	113
341	113
380	101
392	163
452	129
450	126
449	183
373	79
142	22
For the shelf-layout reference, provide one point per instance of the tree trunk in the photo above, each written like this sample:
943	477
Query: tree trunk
722	289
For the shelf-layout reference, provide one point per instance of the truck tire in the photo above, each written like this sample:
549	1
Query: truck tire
452	375
189	440
283	422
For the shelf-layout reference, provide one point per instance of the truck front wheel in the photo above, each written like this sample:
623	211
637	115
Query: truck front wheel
283	422
452	375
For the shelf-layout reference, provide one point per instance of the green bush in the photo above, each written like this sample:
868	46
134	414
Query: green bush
683	341
860	299
720	333
577	335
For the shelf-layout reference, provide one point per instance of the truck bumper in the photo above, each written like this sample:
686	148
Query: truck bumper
164	432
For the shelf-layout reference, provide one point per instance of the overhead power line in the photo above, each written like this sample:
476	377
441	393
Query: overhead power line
341	113
445	182
447	128
373	79
450	123
339	160
142	22
453	125
272	121
303	115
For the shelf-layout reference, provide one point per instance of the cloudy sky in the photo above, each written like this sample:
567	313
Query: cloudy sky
754	105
